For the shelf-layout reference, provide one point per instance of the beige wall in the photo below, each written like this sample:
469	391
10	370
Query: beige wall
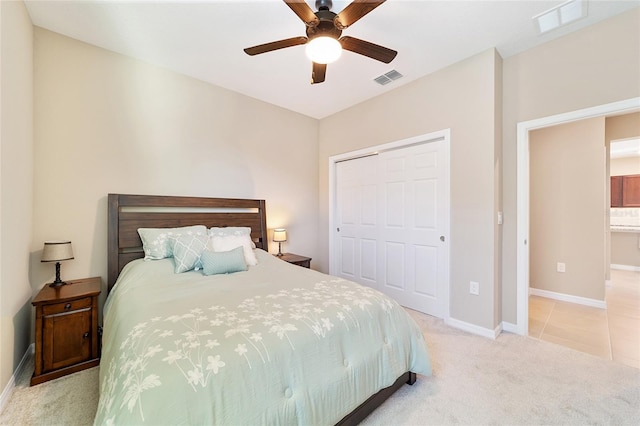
106	123
625	248
619	127
623	126
597	65
16	183
625	166
461	97
567	194
497	190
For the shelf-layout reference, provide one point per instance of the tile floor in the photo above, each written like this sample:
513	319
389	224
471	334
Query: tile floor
612	333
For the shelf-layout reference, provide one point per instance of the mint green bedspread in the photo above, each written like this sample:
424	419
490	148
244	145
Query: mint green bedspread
276	345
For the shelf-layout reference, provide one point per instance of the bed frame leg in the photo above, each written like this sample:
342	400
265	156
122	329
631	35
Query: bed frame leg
412	378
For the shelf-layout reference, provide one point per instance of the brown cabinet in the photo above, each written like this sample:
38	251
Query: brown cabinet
616	191
67	337
631	191
303	261
625	191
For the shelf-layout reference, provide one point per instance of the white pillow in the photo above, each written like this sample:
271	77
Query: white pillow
229	242
156	243
231	230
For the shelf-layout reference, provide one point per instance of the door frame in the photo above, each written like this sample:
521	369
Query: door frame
522	202
441	135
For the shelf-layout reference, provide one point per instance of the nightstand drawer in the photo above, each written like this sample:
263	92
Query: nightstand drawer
71	306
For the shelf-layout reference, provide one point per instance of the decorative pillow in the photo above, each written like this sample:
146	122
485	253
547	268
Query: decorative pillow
223	262
155	241
231	230
229	242
187	250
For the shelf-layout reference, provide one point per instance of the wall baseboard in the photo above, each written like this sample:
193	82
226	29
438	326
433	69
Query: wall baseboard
474	329
8	390
568	298
509	327
625	267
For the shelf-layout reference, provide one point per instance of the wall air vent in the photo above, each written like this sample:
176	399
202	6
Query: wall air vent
388	77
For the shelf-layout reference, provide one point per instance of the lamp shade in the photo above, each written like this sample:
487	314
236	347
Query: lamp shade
56	251
323	50
279	235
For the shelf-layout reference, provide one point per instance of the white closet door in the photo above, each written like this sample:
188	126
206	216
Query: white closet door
393	212
357	242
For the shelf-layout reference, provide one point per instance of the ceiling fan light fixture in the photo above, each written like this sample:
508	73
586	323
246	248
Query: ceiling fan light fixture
323	50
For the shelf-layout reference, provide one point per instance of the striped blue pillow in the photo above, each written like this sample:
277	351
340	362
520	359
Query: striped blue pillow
223	262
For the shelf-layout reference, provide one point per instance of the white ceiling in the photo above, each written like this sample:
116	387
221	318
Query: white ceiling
204	40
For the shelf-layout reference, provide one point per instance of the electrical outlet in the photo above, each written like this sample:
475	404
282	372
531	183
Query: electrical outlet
560	267
474	288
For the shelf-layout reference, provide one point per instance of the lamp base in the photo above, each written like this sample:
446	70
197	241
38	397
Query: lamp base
58	282
279	250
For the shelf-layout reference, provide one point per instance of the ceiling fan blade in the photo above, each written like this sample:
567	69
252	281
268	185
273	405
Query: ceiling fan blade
304	12
275	45
365	48
352	13
318	73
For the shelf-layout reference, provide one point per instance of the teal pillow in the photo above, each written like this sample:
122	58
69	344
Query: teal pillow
157	243
223	262
187	250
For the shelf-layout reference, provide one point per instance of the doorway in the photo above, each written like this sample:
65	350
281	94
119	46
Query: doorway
389	220
522	246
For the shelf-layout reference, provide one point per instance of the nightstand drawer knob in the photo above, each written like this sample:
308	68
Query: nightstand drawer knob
67	306
85	335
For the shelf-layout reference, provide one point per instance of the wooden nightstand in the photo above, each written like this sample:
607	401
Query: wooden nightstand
296	260
66	329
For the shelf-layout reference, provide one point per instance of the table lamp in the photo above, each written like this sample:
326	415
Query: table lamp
57	251
279	235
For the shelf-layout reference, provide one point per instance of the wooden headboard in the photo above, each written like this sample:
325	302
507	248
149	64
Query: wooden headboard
127	213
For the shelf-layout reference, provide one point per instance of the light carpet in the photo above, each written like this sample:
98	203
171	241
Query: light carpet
514	380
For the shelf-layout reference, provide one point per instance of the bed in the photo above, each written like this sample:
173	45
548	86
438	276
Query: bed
275	344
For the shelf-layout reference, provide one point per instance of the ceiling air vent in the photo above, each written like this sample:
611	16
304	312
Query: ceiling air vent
388	77
561	14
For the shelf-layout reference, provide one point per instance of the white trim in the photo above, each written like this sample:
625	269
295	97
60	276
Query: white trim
8	390
625	267
509	327
522	233
568	298
474	329
444	135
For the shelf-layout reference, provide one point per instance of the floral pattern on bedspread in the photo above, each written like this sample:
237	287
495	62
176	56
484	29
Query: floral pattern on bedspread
190	342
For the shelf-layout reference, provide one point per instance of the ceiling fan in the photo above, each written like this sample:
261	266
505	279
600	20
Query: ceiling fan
325	27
